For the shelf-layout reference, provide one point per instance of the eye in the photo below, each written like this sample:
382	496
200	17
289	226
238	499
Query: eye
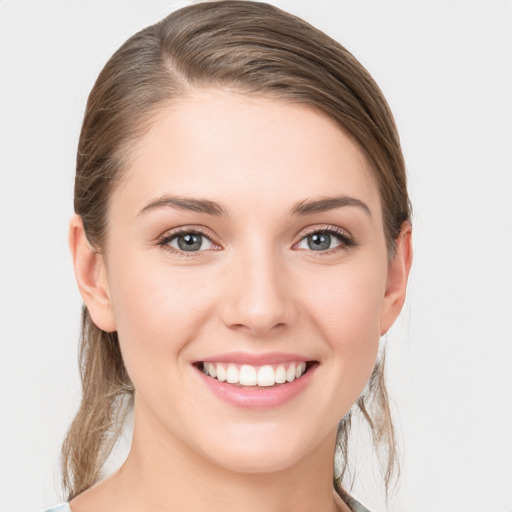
188	241
324	240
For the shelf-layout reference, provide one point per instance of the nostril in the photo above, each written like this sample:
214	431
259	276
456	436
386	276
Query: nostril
260	303
259	329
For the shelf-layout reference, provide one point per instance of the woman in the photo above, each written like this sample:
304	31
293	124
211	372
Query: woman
241	242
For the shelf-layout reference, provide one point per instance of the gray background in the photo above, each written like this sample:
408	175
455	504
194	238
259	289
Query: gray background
446	69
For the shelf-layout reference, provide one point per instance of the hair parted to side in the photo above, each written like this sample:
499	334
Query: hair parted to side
251	48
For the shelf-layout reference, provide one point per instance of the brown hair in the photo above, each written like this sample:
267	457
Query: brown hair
252	48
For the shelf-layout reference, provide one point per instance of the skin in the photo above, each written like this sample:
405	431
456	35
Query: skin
257	288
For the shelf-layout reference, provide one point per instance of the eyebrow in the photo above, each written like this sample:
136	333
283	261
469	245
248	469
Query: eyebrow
329	203
305	207
185	203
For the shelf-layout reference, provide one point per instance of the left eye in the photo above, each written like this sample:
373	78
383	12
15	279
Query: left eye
320	241
190	242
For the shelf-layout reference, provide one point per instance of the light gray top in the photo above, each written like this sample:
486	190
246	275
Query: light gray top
63	507
354	505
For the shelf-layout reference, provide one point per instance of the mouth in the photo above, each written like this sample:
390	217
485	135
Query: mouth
250	376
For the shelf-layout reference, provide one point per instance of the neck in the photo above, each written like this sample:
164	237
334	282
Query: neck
162	473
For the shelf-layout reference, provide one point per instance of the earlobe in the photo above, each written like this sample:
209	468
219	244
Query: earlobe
91	276
398	274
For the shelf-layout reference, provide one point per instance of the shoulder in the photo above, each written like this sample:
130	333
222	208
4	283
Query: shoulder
353	504
63	507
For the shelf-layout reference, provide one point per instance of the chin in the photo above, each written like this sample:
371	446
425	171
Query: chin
248	462
258	449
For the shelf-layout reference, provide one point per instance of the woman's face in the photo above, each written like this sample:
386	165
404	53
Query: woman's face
245	240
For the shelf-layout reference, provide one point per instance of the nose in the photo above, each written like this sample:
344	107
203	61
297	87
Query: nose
258	297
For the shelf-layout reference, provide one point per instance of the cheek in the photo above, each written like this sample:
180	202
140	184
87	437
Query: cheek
349	301
157	312
346	308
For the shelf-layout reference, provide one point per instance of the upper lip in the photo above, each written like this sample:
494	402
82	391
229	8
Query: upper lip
255	359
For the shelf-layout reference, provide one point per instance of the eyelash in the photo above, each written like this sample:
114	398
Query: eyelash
168	237
346	241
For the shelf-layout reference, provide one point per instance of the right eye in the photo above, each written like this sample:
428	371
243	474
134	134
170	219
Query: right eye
188	241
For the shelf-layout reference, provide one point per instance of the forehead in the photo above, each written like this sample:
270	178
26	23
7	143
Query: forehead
221	145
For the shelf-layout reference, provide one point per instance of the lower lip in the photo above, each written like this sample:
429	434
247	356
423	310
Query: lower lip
258	397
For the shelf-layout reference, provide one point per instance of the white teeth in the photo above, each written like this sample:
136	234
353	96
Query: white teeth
232	374
280	374
290	373
221	373
248	375
266	376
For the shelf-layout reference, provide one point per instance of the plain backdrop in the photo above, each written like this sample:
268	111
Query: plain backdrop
446	68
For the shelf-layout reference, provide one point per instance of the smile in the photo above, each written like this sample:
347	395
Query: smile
261	376
256	381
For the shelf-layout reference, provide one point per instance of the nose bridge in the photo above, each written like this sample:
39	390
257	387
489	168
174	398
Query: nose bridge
259	297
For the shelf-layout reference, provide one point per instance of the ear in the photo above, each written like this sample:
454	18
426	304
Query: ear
398	273
91	276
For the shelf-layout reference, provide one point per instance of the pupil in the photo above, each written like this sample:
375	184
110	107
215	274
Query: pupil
319	241
190	242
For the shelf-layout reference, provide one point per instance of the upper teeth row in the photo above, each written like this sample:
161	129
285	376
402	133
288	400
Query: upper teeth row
248	375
